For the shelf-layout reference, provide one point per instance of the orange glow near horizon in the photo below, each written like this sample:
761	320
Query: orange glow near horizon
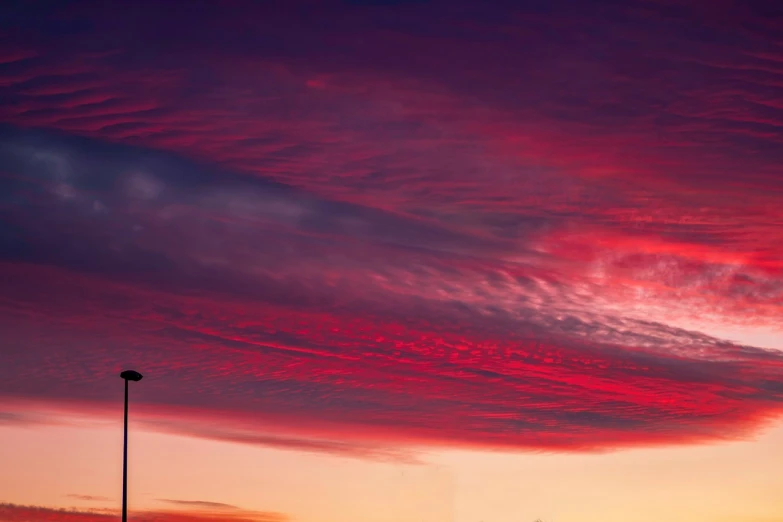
77	465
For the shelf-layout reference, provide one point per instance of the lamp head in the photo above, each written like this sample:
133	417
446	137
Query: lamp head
131	375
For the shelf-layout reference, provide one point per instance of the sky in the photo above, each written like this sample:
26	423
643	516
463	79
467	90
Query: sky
392	261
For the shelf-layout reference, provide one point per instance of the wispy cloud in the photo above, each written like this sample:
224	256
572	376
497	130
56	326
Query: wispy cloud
253	434
198	504
91	498
18	513
363	250
400	343
20	418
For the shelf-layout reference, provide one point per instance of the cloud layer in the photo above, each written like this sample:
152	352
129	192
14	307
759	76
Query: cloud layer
460	234
17	513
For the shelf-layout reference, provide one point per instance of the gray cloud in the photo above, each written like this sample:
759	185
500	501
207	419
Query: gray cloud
91	498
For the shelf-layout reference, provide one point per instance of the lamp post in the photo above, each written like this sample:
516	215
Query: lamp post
127	375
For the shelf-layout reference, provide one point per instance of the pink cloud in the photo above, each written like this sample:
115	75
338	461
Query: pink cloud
400	236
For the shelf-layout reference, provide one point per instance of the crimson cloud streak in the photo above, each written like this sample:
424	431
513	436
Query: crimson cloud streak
497	230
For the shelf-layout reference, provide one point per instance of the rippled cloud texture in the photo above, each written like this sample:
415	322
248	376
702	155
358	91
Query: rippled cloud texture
347	228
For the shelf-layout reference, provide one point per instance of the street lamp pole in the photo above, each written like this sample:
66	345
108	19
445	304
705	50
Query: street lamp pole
127	375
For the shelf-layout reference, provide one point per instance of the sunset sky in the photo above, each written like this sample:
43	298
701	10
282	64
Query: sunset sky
392	261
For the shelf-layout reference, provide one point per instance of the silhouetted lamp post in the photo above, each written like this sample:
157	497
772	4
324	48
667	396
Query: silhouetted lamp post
128	375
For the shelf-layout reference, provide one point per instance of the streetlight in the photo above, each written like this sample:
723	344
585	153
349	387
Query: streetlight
128	375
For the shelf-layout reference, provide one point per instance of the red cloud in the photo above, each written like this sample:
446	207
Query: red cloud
494	241
364	379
